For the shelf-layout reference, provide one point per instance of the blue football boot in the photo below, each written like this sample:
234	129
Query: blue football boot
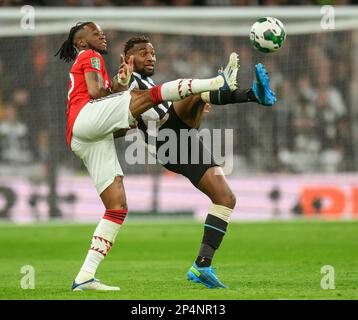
205	276
261	87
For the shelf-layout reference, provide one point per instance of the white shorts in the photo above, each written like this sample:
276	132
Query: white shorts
92	136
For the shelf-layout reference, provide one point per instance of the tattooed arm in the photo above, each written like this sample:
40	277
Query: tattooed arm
95	85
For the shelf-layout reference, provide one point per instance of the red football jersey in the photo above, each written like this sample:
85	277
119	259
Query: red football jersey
86	61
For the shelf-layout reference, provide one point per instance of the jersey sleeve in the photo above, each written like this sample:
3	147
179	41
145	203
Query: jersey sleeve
91	62
133	84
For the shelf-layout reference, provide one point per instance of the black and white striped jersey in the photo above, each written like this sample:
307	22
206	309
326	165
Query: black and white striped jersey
156	113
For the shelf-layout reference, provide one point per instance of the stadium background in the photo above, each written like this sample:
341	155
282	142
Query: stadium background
297	159
295	162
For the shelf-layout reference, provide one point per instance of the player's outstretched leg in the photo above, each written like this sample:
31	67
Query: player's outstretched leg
261	87
179	89
259	93
182	88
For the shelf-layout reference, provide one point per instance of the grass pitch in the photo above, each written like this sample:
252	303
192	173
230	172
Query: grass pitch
274	260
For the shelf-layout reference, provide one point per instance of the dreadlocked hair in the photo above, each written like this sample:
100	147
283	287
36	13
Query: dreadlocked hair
133	41
68	51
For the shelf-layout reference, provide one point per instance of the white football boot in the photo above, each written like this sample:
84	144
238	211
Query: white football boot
92	284
230	73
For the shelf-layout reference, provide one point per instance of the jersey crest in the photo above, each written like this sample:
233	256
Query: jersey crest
96	63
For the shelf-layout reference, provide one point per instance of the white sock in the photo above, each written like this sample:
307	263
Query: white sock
179	89
90	266
102	241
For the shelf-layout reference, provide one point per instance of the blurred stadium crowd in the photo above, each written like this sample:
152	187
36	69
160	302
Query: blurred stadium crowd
309	130
151	3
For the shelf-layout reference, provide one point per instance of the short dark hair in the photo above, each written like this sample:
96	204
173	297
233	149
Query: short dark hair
133	41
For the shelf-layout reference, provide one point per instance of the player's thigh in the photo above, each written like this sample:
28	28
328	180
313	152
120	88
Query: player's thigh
100	117
190	110
214	184
100	159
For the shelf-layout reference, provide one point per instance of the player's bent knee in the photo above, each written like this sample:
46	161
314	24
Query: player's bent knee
221	212
227	199
116	204
231	200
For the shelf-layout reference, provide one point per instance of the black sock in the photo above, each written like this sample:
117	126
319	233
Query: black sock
203	261
227	97
214	231
240	96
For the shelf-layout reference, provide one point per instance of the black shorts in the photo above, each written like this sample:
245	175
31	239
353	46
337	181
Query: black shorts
193	169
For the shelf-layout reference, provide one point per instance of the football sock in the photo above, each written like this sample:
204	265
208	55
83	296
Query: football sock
214	230
182	88
102	241
206	254
227	97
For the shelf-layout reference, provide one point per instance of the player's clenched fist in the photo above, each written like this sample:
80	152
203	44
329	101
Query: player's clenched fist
125	70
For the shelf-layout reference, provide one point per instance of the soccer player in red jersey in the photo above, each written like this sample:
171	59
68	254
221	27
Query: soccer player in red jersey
96	109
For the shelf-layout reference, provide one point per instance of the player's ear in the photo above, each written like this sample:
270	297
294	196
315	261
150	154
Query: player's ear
81	42
131	61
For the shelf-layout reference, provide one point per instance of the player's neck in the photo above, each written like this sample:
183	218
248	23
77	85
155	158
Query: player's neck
138	75
86	49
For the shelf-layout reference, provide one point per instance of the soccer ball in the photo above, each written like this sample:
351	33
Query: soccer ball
267	34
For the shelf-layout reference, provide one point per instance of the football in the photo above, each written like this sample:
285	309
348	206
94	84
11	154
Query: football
267	34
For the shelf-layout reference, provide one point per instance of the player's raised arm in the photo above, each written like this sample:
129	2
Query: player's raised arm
121	80
95	85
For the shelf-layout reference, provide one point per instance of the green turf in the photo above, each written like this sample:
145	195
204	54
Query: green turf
276	260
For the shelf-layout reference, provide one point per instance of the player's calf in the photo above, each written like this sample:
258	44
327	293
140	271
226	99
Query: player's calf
215	228
102	242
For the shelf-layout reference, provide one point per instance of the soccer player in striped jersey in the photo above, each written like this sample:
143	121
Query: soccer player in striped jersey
95	113
186	114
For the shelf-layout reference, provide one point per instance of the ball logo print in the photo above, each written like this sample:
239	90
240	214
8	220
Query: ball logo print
267	34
